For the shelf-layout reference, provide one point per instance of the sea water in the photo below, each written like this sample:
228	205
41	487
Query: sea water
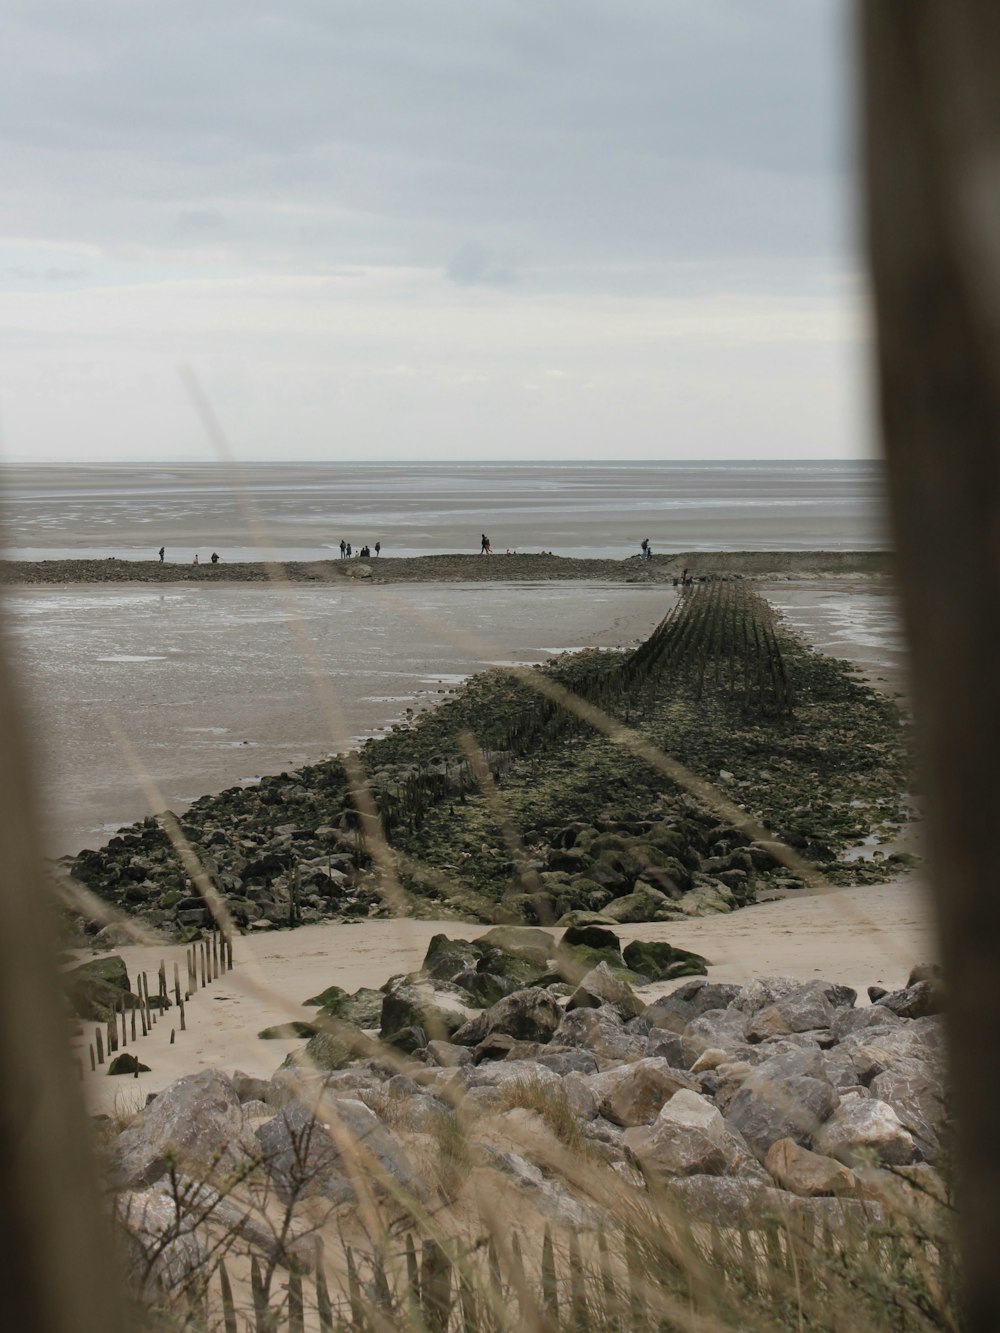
302	511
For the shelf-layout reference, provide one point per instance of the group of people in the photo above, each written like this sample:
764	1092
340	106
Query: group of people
162	553
347	551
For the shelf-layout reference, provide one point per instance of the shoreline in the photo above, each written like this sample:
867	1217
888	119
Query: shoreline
857	935
457	568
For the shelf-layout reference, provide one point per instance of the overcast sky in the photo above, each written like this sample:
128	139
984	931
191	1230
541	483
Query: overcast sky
429	229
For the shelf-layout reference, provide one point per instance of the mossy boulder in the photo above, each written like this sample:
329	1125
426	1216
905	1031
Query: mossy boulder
329	1051
414	1003
283	1031
96	987
662	962
363	1008
534	946
446	957
645	903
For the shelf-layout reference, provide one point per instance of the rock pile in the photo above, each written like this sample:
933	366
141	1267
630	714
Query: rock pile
600	832
743	1101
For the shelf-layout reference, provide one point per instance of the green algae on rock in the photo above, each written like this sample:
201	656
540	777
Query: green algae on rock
556	795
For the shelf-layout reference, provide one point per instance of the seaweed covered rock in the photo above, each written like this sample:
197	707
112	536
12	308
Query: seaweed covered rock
99	986
662	962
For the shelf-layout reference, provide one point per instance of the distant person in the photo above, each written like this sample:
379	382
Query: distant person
215	557
195	560
485	547
162	552
343	548
348	550
645	548
378	548
365	552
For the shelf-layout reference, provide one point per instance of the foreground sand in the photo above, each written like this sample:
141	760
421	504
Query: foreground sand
861	936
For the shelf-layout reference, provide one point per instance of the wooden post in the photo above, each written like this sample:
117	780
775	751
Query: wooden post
550	1297
228	1305
171	1036
99	1043
324	1309
435	1286
134	1007
412	1268
259	1297
296	1320
124	1033
183	1024
578	1291
93	1058
112	1035
142	1018
162	976
229	953
358	1320
177	983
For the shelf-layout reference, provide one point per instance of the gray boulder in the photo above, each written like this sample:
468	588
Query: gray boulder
635	1093
919	1104
689	1137
862	1125
310	1151
601	987
528	1015
196	1123
788	1096
601	1033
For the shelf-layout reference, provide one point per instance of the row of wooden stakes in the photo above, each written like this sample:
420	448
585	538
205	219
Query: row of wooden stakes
206	960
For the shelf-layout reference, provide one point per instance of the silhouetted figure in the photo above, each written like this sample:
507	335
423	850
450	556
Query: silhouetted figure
195	560
348	550
378	548
485	548
343	548
162	553
215	557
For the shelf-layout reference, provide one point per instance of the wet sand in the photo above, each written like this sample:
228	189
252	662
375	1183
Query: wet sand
145	698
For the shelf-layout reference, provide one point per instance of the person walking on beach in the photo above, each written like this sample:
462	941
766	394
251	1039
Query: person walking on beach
645	548
378	547
195	560
215	557
485	548
343	548
347	550
162	553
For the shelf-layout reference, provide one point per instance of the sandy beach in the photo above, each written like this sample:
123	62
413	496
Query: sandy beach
861	936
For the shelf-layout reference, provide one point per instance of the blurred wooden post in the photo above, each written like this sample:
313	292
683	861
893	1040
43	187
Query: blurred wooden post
296	1316
259	1298
228	1305
324	1309
550	1295
93	1058
435	1286
931	138
99	1043
177	984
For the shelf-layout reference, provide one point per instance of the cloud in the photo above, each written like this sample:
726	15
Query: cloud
308	200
